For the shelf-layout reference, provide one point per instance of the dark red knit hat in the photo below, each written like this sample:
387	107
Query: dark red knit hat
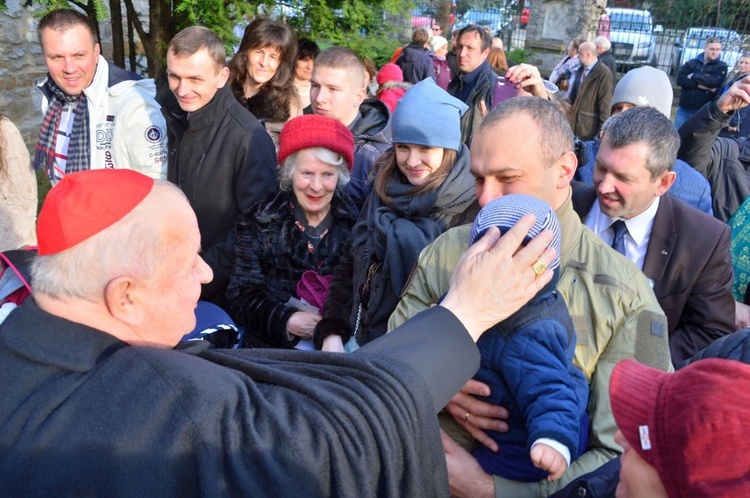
691	425
85	203
312	130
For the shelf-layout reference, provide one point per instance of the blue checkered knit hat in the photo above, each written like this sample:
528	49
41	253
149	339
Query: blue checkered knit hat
505	211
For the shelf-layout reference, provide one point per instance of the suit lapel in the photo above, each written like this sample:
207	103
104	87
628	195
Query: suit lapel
661	243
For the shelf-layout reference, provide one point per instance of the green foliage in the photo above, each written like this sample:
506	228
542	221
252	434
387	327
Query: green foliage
358	24
519	55
685	13
378	48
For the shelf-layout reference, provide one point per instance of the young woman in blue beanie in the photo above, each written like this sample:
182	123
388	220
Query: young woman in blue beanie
421	185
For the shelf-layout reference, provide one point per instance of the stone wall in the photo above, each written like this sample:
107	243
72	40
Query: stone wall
21	66
554	23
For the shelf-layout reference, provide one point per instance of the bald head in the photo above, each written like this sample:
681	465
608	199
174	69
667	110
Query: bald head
587	53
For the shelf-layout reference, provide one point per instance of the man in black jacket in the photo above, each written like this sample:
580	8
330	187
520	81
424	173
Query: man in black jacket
725	162
220	156
604	52
699	79
337	90
475	83
97	400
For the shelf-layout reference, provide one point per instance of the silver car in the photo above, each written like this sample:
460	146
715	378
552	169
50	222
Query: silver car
632	37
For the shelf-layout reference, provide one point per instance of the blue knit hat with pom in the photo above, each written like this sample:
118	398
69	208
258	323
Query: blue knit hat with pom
428	115
505	211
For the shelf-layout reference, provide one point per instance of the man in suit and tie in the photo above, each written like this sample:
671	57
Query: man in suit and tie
591	94
683	251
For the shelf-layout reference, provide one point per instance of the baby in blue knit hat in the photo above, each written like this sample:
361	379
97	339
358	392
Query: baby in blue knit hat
527	361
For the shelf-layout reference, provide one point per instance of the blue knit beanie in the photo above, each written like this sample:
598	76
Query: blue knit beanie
428	115
505	211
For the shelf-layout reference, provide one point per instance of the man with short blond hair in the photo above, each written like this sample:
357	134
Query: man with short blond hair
337	91
700	78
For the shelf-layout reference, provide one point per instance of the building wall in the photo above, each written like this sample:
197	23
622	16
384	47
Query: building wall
21	67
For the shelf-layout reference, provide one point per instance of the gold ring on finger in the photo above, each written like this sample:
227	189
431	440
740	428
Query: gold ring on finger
539	267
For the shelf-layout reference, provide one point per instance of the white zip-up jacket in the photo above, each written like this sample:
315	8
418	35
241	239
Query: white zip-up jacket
127	128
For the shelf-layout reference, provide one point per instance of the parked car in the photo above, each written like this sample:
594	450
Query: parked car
494	18
422	18
632	37
693	41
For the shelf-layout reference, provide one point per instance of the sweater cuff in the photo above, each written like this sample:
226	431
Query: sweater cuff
559	447
331	326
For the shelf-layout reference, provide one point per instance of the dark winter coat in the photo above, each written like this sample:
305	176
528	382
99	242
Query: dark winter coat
270	106
84	414
527	362
271	254
385	238
735	346
608	59
710	75
416	63
224	161
725	162
472	88
741	118
372	137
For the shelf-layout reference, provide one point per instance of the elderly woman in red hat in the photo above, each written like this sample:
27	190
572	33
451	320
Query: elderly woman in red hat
288	244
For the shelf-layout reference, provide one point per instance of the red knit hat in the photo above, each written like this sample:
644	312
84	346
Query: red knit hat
692	426
312	130
389	72
85	203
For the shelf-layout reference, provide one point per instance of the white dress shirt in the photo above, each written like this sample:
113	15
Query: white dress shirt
639	230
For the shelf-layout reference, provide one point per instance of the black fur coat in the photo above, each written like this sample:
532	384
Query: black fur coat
271	254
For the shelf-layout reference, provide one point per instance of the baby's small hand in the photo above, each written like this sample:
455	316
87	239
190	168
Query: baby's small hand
546	458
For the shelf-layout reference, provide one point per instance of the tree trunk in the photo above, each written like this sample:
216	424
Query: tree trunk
131	43
444	15
118	42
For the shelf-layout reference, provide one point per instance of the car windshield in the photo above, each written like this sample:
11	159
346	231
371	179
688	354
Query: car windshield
696	38
630	21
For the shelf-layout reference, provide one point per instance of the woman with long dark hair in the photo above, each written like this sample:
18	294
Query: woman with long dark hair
262	74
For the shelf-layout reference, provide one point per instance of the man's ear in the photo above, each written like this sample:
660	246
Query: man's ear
223	77
664	182
486	54
567	164
121	299
97	49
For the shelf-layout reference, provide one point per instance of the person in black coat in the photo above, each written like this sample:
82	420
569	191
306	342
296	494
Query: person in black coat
100	398
415	61
221	158
297	229
604	50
